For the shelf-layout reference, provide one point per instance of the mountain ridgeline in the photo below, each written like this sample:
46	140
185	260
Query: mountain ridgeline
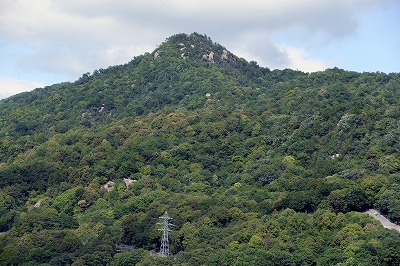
256	166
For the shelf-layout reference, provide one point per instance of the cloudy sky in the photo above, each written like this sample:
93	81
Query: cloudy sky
43	42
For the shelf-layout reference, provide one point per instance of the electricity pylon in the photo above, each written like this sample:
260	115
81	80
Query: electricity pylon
164	249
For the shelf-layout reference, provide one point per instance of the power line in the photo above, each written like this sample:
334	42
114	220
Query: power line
164	249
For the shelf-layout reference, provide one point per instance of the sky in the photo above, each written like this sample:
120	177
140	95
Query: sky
43	42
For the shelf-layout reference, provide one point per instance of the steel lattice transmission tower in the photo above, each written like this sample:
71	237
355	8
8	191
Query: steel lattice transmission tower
164	249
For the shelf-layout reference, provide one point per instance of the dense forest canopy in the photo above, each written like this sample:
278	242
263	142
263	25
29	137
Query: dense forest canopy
255	166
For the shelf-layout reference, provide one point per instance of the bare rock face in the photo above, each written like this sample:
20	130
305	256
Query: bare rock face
181	46
108	186
129	182
224	55
36	205
208	57
195	47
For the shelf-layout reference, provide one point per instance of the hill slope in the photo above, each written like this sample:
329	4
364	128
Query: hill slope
238	155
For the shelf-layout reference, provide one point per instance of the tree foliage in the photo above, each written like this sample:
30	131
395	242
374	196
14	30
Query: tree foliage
256	166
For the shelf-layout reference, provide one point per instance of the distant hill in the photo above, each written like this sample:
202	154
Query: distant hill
256	166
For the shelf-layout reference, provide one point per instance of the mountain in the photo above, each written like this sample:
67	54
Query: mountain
255	166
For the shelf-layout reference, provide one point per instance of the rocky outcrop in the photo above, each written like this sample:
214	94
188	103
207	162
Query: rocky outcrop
181	46
129	182
36	205
195	47
208	57
224	55
108	186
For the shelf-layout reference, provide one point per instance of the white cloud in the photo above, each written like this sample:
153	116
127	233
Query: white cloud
10	86
301	60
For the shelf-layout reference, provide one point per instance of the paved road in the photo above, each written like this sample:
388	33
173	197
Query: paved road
383	220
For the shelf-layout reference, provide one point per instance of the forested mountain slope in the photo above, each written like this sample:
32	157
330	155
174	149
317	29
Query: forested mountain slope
256	166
